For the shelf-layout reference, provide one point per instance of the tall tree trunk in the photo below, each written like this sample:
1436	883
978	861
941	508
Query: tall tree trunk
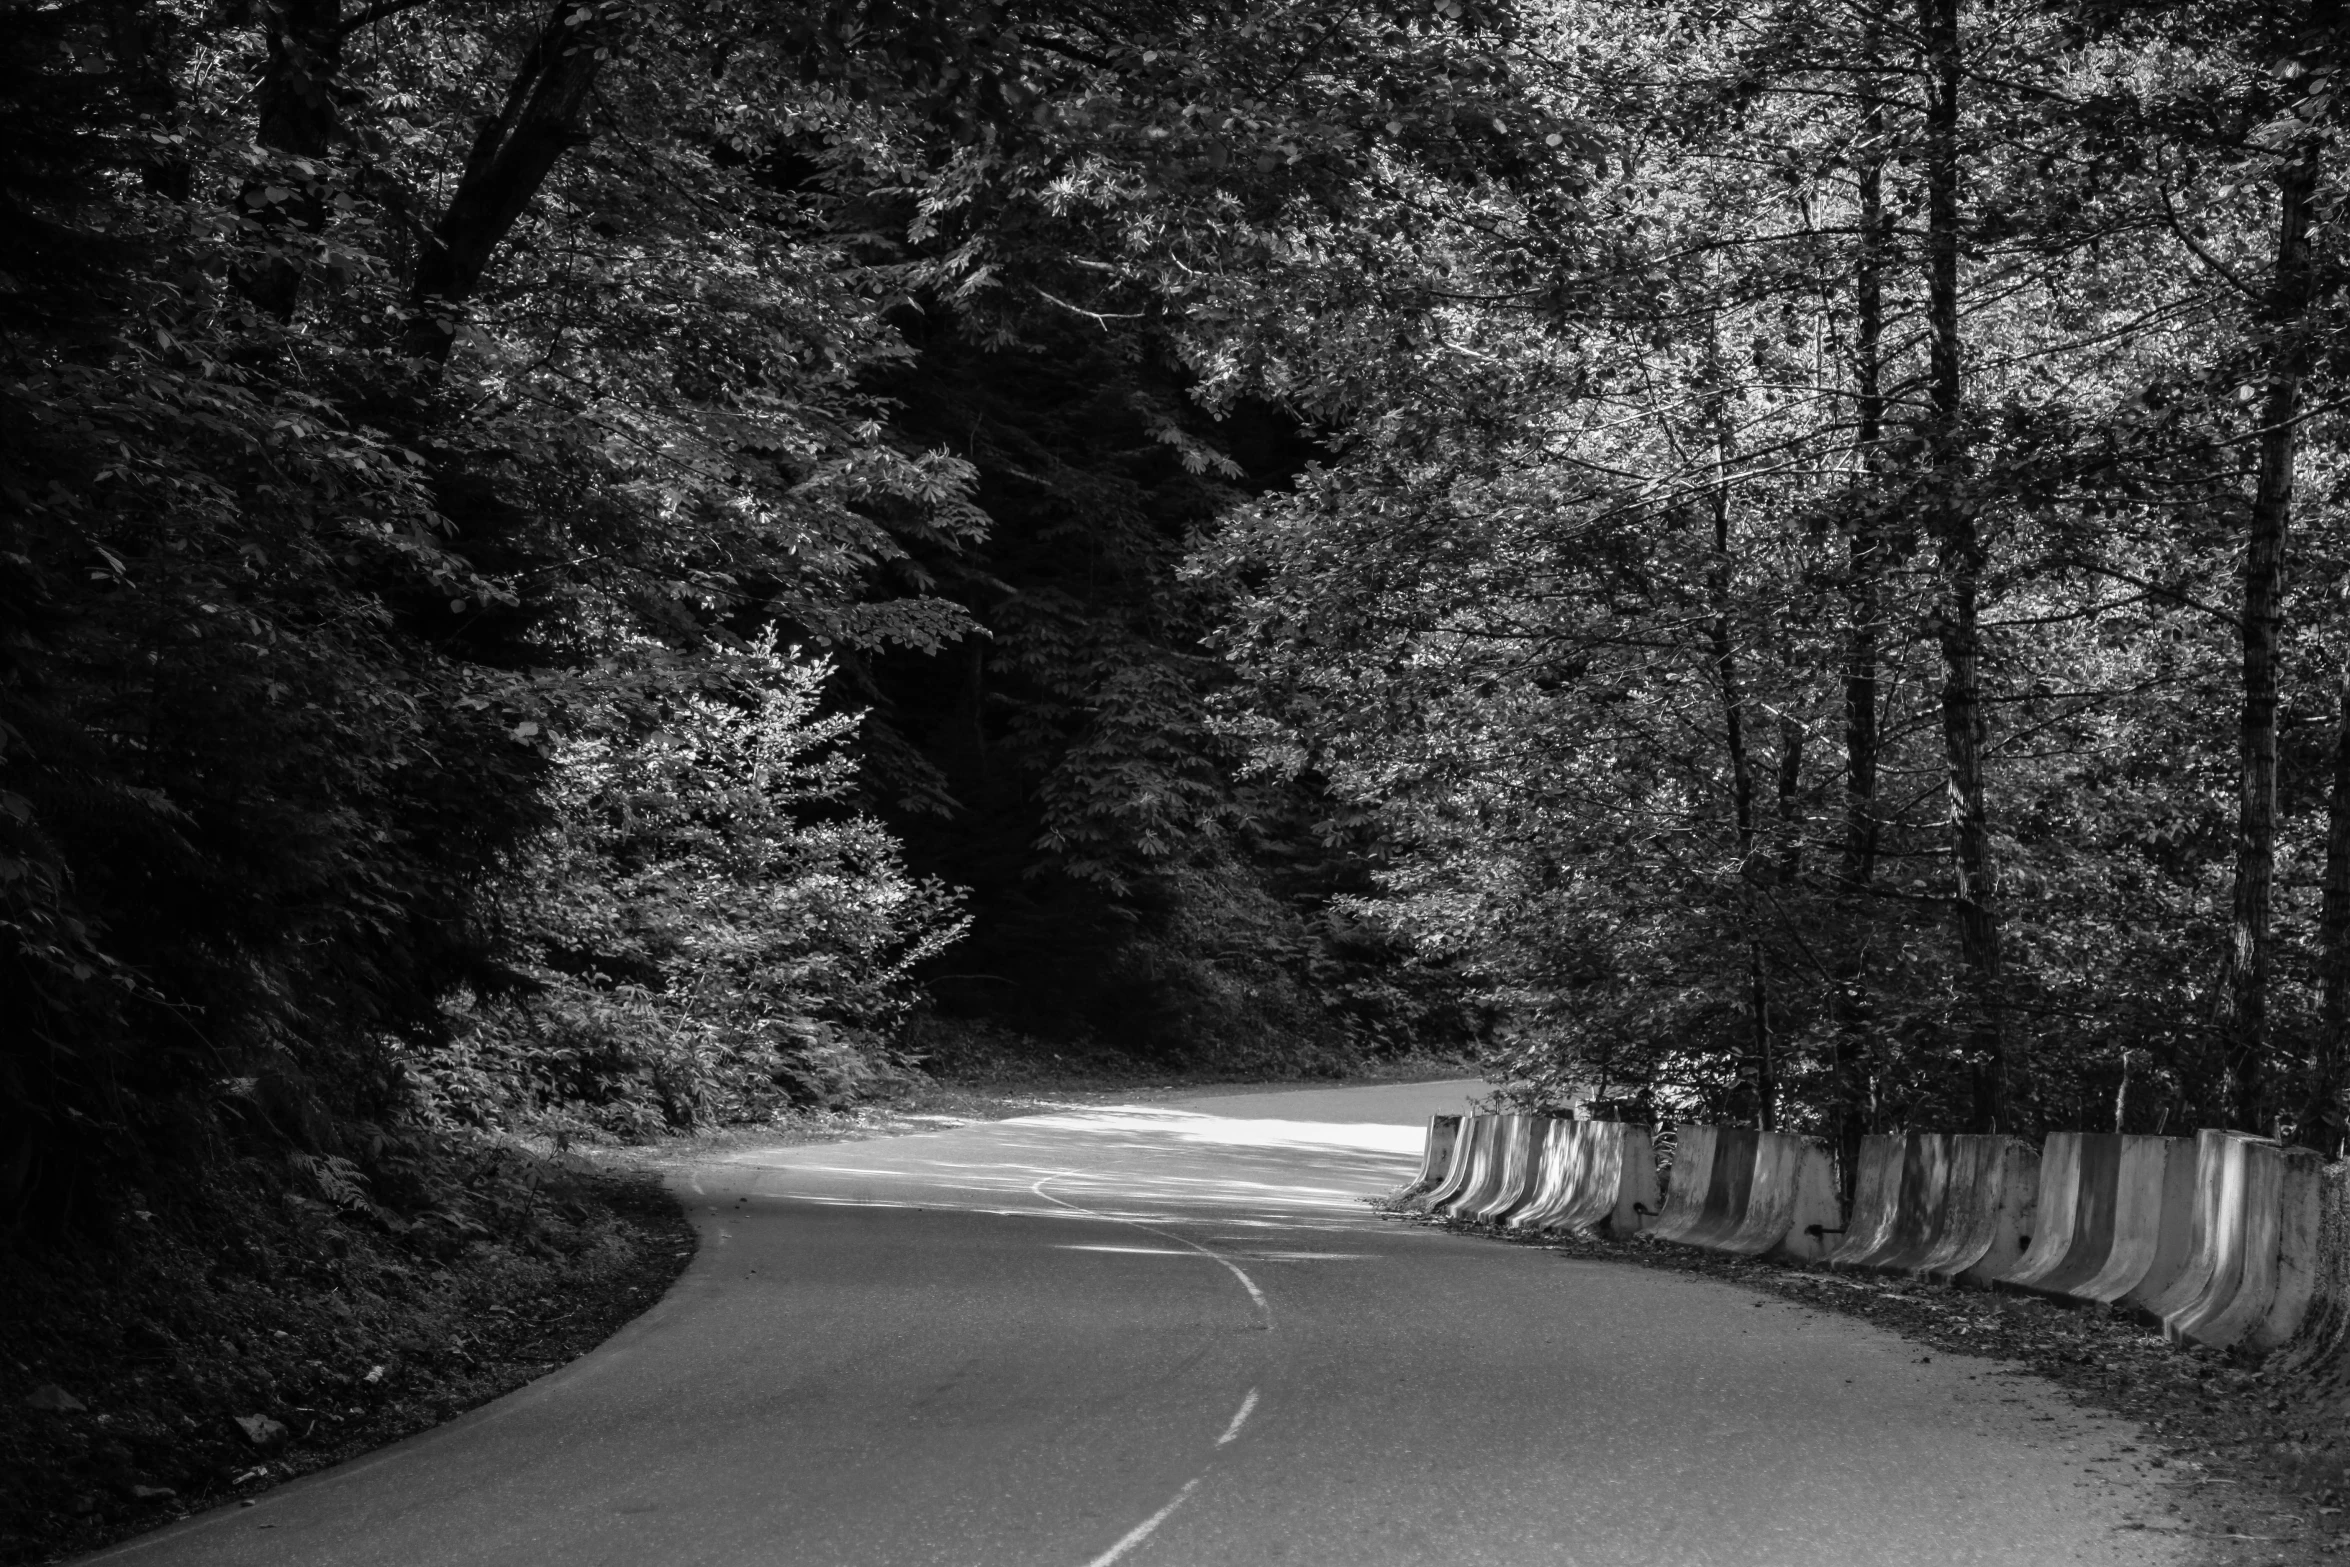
296	119
1960	568
1864	586
544	116
2246	1046
2321	1114
1725	661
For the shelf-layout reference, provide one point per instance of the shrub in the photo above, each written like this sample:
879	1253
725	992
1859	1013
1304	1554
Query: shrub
707	933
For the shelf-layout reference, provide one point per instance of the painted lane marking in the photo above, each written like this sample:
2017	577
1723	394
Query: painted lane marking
1232	1431
1130	1251
1142	1531
1263	1305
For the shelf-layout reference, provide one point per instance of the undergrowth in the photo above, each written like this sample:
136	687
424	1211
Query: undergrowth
287	1315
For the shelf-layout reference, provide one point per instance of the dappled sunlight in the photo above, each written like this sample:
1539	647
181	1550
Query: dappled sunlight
1191	1127
1128	1163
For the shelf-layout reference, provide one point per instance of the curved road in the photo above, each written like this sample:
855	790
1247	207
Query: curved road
1172	1336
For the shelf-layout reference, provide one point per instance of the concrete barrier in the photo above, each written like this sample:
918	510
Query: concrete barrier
1750	1193
1487	1164
2251	1272
2080	1183
1558	1175
2213	1248
2321	1348
1693	1183
1594	1179
2153	1223
1517	1141
2301	1263
1910	1215
1462	1167
1962	1211
2115	1217
1988	1215
1444	1131
1876	1194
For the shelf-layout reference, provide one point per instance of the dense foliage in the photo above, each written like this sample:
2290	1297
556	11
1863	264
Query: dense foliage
1770	558
1846	629
421	422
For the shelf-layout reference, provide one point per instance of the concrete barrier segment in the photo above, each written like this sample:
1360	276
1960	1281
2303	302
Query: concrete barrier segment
1487	1164
2107	1203
1435	1158
2067	1238
1558	1175
1599	1180
1921	1193
2301	1264
2153	1223
1988	1212
1763	1192
1473	1130
2230	1199
2261	1248
1876	1190
2323	1339
1791	1212
1517	1141
1721	1179
1620	1195
1691	1181
2212	1248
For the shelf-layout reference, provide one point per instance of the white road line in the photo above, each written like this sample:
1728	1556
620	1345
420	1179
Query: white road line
1233	1430
1142	1531
1246	1282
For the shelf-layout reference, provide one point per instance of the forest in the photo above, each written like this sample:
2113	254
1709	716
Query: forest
624	565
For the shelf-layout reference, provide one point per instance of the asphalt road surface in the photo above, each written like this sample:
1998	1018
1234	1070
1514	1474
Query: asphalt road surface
1173	1336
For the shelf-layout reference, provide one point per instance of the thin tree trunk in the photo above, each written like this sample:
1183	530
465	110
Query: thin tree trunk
1790	797
1864	582
1864	587
2246	1045
544	116
297	119
1725	662
2321	1115
1960	562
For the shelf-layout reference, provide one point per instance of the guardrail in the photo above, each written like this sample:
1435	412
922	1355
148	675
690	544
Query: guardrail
2226	1239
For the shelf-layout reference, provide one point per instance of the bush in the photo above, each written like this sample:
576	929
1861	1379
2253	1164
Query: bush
706	934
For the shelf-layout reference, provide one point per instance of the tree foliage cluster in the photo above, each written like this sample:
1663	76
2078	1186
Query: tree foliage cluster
1769	556
1836	606
468	468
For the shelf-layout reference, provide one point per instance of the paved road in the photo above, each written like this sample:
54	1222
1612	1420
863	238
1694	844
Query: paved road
1172	1336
